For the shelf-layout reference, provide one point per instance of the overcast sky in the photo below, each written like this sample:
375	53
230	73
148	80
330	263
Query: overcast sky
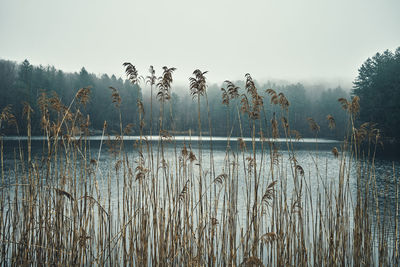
295	40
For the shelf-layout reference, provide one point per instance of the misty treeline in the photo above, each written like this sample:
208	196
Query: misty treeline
378	86
24	83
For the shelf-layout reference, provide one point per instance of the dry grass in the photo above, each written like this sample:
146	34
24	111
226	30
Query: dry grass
60	208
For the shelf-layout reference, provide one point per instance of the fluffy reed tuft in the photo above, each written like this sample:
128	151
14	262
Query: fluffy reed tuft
198	83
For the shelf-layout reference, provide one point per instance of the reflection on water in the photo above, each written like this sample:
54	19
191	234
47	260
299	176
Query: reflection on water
321	168
314	155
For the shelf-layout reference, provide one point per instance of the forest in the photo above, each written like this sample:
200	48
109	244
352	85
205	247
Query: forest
23	82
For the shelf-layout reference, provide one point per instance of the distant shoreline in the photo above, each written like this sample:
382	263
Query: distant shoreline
179	138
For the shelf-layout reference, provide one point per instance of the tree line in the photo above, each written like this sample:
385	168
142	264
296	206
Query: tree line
25	82
378	87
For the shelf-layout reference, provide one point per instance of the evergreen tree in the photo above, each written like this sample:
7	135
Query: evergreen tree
378	86
25	80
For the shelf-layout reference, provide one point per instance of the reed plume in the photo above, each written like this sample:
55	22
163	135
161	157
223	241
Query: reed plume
164	84
132	73
331	122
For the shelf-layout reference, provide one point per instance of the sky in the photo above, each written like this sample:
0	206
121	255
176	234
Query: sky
291	40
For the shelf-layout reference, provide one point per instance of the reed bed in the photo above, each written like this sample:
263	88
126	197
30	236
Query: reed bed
168	204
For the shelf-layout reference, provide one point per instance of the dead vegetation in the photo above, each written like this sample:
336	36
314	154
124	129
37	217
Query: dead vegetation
60	208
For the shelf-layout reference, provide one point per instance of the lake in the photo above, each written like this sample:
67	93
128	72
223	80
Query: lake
227	173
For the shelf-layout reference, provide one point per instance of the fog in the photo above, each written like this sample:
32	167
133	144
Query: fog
307	41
